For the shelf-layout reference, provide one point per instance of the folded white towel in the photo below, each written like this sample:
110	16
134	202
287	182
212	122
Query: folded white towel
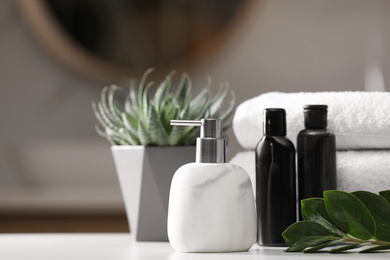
356	170
360	120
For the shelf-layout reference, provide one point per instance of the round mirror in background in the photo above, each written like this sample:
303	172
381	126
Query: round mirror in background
107	40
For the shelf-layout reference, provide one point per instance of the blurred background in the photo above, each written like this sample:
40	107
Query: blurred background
57	174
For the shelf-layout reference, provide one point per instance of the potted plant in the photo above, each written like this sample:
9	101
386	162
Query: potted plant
147	150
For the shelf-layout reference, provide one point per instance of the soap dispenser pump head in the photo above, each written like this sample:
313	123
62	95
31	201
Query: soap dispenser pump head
210	146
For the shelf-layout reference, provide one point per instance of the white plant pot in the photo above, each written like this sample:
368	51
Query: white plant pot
145	175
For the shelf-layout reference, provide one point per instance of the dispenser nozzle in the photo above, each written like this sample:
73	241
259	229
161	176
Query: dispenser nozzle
187	122
210	127
211	144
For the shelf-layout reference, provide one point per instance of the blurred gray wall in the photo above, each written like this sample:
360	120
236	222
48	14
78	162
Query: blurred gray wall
52	159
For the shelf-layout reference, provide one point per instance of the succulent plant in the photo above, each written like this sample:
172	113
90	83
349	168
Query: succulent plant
140	120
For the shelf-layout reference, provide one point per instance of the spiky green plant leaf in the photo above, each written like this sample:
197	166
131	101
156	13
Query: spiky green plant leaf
218	100
175	135
112	105
142	87
107	122
200	104
141	120
157	132
183	93
143	134
133	101
131	125
230	110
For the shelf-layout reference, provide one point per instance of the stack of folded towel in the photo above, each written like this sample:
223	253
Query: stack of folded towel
360	121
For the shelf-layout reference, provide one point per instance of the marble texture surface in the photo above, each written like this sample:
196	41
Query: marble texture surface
211	209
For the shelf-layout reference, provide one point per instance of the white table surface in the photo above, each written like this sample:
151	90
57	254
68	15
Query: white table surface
117	246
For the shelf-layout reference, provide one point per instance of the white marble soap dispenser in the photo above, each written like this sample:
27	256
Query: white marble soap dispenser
211	203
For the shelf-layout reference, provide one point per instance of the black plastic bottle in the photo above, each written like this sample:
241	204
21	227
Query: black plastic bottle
275	180
316	149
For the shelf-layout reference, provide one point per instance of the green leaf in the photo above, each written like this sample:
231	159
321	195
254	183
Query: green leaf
103	134
103	104
105	120
156	128
314	210
133	97
118	137
200	104
303	234
143	135
159	96
316	248
131	125
380	210
190	135
146	102
385	194
376	249
229	111
99	117
126	137
183	92
130	122
142	88
184	113
163	93
175	135
129	107
350	214
170	112
217	101
115	111
347	247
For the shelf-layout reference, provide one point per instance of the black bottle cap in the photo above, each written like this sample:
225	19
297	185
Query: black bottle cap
315	116
274	122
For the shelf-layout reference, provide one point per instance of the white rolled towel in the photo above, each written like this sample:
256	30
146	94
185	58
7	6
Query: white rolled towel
360	120
356	170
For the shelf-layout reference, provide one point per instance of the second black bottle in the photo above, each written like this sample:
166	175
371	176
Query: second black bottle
316	150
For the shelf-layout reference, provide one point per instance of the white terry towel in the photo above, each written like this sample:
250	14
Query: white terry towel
360	120
356	170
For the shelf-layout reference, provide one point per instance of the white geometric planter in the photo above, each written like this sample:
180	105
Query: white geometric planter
145	175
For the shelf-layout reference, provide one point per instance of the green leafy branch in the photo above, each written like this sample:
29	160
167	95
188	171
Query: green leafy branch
342	221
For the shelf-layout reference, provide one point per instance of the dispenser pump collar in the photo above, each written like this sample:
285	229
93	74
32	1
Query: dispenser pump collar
210	146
